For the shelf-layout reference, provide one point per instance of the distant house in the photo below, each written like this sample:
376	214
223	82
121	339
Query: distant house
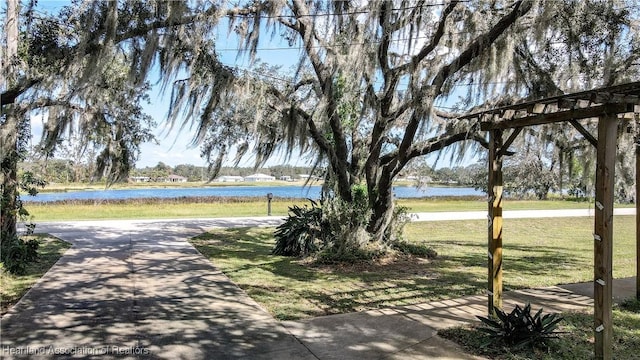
286	178
139	179
176	179
229	178
420	178
308	177
260	177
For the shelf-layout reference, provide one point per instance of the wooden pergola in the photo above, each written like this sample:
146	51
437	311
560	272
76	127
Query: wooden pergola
612	107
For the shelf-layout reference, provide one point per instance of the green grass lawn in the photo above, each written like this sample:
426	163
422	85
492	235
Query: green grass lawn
161	210
138	209
537	252
15	286
575	342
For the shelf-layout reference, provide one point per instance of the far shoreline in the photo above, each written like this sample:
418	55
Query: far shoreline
72	187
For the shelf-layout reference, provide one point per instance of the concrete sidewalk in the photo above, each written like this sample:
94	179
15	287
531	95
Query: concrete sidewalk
138	289
410	332
512	214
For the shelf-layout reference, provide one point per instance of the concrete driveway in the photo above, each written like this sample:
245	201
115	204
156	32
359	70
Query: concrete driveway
139	290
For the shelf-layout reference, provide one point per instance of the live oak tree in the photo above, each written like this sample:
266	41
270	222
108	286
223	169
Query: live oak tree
364	97
376	84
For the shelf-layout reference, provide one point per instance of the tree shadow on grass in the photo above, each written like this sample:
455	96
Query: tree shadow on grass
451	276
371	285
246	249
403	281
527	260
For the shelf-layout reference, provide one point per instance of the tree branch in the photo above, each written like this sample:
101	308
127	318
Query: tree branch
393	162
10	95
446	114
305	31
47	102
473	50
338	155
171	22
435	40
316	135
406	20
479	45
543	76
383	47
302	83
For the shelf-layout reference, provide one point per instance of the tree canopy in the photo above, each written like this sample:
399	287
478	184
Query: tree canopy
374	84
377	84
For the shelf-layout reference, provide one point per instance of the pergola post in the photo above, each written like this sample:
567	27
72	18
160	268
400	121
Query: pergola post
637	208
494	188
603	235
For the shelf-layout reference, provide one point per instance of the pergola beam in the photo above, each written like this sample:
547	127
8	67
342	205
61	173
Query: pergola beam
505	147
560	116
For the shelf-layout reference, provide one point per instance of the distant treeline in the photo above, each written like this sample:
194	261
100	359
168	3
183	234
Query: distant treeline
67	171
200	173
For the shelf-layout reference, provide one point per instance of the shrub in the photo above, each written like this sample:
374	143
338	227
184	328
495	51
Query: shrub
364	253
344	228
17	254
519	328
421	250
336	230
300	233
631	305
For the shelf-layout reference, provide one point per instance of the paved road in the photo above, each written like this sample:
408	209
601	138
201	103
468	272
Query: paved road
200	225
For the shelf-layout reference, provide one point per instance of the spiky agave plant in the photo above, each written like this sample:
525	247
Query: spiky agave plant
299	234
520	328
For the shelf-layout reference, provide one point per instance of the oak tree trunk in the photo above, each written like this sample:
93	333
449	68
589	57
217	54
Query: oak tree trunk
9	178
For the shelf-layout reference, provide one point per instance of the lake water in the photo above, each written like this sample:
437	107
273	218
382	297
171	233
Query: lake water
312	192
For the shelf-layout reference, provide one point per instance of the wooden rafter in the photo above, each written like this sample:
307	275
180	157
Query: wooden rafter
587	135
621	94
505	147
556	117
